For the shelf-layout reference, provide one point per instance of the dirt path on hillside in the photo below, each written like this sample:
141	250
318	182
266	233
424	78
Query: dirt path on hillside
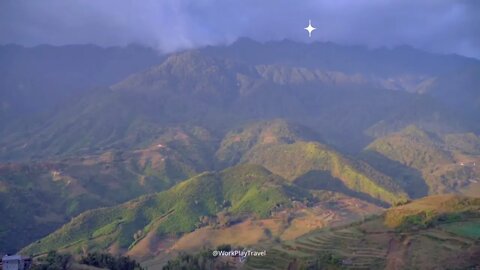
396	253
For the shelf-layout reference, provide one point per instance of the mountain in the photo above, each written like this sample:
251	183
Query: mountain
220	87
244	190
110	118
87	182
331	56
446	163
51	192
244	205
123	150
450	79
437	232
285	150
412	147
238	142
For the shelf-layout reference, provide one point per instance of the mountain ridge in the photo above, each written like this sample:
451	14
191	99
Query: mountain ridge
280	138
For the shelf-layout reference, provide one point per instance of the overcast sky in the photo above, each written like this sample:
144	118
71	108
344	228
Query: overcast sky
444	26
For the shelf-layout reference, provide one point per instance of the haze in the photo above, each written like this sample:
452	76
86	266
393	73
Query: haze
437	26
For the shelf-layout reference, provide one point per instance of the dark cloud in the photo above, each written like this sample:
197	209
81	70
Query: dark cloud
445	26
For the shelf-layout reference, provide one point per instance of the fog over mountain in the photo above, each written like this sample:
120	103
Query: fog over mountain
438	26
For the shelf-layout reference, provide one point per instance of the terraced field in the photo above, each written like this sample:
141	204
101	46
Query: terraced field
349	244
371	245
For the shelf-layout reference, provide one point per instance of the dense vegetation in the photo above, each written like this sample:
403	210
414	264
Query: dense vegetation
202	260
325	261
110	262
53	261
65	261
238	191
444	164
283	149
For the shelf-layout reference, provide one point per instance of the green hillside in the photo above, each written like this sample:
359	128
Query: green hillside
412	147
39	197
447	243
433	210
445	163
77	184
240	140
287	151
242	190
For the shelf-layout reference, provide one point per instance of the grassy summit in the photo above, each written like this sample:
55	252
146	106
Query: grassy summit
446	163
412	147
292	152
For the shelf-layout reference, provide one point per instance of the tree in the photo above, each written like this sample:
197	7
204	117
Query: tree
106	260
53	261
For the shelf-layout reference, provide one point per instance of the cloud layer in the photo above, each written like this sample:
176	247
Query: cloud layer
442	26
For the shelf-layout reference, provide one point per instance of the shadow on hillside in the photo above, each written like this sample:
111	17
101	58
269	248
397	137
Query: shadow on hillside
410	179
323	180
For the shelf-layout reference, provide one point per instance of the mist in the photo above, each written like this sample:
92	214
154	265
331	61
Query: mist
170	25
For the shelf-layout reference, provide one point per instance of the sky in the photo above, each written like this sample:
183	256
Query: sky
443	26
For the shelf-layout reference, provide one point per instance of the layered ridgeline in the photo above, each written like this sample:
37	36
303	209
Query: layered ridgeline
80	183
130	132
437	232
220	87
246	190
444	163
133	112
292	152
38	197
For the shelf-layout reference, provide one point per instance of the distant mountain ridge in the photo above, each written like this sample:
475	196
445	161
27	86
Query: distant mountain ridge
324	86
332	56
